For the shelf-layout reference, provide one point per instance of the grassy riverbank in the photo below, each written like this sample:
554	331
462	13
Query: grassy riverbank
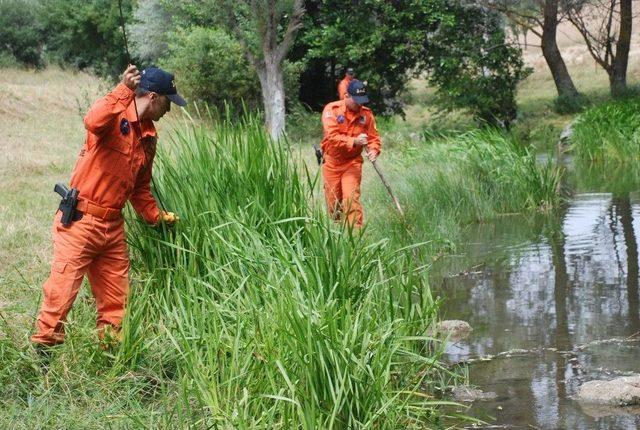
255	312
258	312
450	182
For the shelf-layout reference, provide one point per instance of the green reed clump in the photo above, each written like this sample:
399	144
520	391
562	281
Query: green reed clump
470	177
608	133
266	314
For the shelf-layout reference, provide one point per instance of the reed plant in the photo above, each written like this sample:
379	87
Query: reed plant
267	314
460	179
608	133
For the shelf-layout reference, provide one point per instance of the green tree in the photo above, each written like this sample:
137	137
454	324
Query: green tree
210	66
86	33
266	29
20	32
382	40
473	66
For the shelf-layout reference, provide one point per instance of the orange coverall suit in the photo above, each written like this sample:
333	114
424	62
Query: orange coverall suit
342	87
342	168
114	166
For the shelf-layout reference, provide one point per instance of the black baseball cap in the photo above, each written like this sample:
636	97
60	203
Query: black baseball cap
358	92
158	81
350	71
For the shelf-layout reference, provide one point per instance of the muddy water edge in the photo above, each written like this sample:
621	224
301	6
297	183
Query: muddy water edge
553	301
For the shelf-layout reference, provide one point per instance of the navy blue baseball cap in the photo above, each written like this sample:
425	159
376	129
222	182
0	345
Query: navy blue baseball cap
158	81
358	92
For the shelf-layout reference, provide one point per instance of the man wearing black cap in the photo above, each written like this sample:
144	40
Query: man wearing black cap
349	128
113	167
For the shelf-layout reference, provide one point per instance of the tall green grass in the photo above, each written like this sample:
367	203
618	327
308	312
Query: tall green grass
256	311
451	181
608	133
267	314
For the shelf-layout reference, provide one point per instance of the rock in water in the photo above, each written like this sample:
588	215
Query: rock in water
455	329
622	391
464	393
599	411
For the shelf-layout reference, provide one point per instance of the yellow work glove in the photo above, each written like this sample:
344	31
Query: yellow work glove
168	217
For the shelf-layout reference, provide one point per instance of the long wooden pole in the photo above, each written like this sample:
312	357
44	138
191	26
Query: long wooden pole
386	185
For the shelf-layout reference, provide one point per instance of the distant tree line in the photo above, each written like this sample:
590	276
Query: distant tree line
273	54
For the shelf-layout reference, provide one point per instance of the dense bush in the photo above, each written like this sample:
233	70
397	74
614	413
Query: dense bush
77	33
210	66
86	34
381	40
569	104
473	66
21	36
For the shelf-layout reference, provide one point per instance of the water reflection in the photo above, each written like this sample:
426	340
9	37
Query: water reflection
555	282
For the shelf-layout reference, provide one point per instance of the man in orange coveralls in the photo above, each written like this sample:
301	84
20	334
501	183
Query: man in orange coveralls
344	83
114	166
348	128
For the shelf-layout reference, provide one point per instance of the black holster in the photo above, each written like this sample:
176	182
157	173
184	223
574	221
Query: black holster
319	155
68	204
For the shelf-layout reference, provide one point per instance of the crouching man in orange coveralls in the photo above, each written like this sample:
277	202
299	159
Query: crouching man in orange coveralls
348	128
114	166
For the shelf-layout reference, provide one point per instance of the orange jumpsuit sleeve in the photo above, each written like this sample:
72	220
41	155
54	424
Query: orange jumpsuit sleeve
332	133
373	137
103	112
141	199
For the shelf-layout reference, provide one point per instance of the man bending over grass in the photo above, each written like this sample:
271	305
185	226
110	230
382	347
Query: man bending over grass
114	166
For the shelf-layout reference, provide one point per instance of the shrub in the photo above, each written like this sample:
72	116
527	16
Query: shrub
210	66
21	36
8	60
86	34
473	66
566	104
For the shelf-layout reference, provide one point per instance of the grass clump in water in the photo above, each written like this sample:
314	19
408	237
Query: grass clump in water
470	177
268	315
608	133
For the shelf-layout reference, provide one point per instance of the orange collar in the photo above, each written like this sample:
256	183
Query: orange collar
147	128
350	115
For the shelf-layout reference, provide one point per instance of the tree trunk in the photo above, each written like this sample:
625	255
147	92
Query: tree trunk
551	53
618	76
560	292
272	85
623	205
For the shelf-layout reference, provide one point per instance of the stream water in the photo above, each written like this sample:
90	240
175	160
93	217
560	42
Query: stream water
562	289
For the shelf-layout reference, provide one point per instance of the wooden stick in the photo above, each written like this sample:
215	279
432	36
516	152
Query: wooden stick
386	185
